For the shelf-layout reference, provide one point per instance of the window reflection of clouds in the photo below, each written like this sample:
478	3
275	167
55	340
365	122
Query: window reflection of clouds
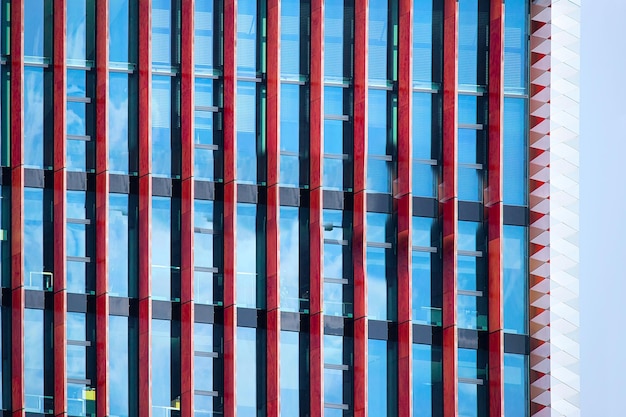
289	373
33	236
33	28
33	117
33	356
246	255
246	132
161	244
203	36
118	366
118	30
289	258
161	355
76	30
118	253
376	284
161	125
246	363
118	122
515	278
377	377
426	380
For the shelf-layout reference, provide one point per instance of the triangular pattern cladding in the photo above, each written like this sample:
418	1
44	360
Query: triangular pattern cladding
554	162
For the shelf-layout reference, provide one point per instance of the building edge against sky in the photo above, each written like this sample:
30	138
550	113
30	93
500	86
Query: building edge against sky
233	186
554	206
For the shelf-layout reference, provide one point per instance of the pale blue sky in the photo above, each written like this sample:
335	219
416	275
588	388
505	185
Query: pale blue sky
603	208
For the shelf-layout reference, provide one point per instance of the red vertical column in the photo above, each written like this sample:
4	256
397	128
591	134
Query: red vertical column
316	245
187	206
494	209
60	295
230	206
448	206
145	208
17	209
272	229
102	208
404	203
360	207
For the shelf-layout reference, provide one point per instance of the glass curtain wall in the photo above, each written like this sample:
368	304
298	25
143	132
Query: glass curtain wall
427	297
81	364
381	267
208	369
80	242
208	252
338	369
338	282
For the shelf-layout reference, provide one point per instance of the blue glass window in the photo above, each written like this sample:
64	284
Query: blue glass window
119	370
80	392
33	117
472	371
291	296
161	248
425	144
247	359
290	374
247	132
34	30
290	40
119	143
337	375
79	115
206	138
162	130
473	38
337	260
163	398
516	385
79	242
120	232
427	381
247	47
380	159
207	253
381	378
427	293
77	48
427	42
119	18
35	277
250	279
162	32
515	47
515	280
337	41
34	352
471	155
472	277
290	128
515	152
204	22
380	278
377	43
207	369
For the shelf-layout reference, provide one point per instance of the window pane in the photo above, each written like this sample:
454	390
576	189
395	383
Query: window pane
161	251
377	286
161	374
427	385
515	280
336	59
204	32
381	392
161	126
118	123
377	45
34	360
76	41
515	385
162	32
515	160
290	373
118	31
515	46
246	37
246	363
290	37
290	297
34	32
119	366
118	253
247	273
246	132
33	117
34	278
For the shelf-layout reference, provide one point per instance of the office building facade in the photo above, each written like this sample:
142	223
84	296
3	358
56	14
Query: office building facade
289	207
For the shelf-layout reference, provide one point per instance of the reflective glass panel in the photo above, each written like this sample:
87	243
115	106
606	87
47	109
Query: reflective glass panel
336	60
119	31
246	363
204	31
247	37
33	117
161	126
119	252
118	123
161	374
290	38
162	31
34	32
380	388
515	385
515	153
76	28
515	46
290	134
246	132
378	38
247	273
34	276
377	285
34	360
289	227
119	366
515	280
161	250
289	373
423	40
472	371
427	381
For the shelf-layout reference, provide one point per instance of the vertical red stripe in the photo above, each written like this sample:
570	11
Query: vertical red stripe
316	246
102	207
361	14
60	295
187	207
403	202
145	208
17	209
230	206
272	230
494	209
448	206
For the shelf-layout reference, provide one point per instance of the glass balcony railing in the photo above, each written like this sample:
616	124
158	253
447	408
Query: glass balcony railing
41	281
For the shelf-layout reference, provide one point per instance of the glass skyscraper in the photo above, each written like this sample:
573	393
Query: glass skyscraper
296	208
